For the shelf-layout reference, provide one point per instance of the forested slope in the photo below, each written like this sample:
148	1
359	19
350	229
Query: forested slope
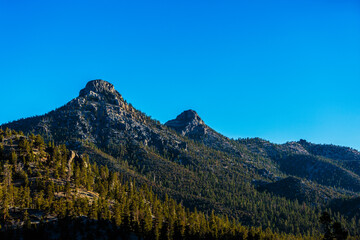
193	164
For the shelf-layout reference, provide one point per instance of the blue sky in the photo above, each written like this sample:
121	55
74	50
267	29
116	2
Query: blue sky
280	70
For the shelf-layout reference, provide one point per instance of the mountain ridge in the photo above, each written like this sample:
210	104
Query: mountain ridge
192	162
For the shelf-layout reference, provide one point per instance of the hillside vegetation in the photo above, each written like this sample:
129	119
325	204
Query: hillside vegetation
48	191
280	187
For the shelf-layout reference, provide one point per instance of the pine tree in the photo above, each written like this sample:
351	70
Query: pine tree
27	221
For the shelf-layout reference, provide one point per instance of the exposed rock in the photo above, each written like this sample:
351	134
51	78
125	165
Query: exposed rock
331	151
98	86
100	90
188	123
101	116
294	148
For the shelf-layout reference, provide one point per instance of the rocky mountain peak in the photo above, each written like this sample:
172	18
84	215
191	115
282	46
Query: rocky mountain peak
99	87
189	116
188	123
99	90
101	116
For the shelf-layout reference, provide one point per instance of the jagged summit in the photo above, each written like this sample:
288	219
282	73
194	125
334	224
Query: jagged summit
114	133
101	116
98	86
188	123
100	90
189	116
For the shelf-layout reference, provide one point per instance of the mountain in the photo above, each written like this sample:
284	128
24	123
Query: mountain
297	159
50	192
331	151
199	167
298	189
189	124
101	116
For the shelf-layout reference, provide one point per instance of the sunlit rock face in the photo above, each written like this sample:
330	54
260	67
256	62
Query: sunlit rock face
100	115
188	123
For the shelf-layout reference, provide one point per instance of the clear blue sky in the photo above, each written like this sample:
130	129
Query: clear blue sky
280	70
